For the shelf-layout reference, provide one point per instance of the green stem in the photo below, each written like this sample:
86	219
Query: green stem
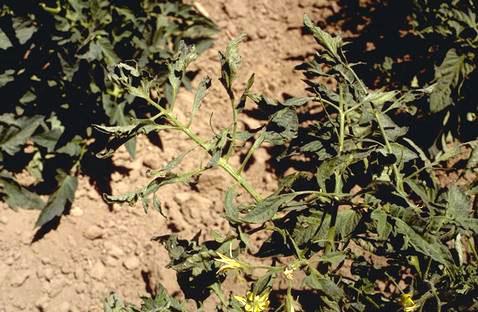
396	172
330	246
251	151
234	128
223	163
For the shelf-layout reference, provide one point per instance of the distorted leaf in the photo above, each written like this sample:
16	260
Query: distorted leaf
230	62
200	94
331	44
283	127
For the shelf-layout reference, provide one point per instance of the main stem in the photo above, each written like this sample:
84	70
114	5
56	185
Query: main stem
223	163
338	187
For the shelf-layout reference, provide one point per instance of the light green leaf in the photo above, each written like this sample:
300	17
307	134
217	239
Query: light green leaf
24	29
230	62
5	43
108	51
7	77
380	97
200	94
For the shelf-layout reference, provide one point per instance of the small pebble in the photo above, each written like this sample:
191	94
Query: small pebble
93	232
131	263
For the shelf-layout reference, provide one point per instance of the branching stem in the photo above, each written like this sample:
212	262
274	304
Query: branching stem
223	163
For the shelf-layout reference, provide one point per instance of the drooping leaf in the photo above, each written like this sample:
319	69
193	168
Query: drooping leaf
58	201
449	77
200	94
266	209
458	208
231	212
430	246
17	137
17	196
347	221
283	127
298	101
120	135
263	283
325	285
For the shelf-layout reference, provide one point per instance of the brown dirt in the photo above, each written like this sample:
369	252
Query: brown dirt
95	250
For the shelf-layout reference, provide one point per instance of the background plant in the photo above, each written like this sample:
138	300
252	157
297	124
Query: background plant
450	27
367	226
420	43
53	85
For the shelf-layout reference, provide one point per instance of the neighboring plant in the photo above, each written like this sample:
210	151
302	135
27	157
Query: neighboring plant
447	32
453	28
367	227
53	84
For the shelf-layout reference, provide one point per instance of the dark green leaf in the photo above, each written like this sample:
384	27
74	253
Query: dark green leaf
449	77
263	283
431	247
347	221
283	127
298	101
16	196
325	285
58	201
15	139
266	209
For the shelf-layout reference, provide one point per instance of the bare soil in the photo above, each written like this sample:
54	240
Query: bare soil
97	249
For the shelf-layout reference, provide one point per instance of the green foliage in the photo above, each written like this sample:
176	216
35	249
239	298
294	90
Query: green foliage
454	23
368	225
449	31
54	85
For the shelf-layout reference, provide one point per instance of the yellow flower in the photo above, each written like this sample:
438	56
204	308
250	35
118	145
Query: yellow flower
289	273
254	303
407	303
290	269
228	263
